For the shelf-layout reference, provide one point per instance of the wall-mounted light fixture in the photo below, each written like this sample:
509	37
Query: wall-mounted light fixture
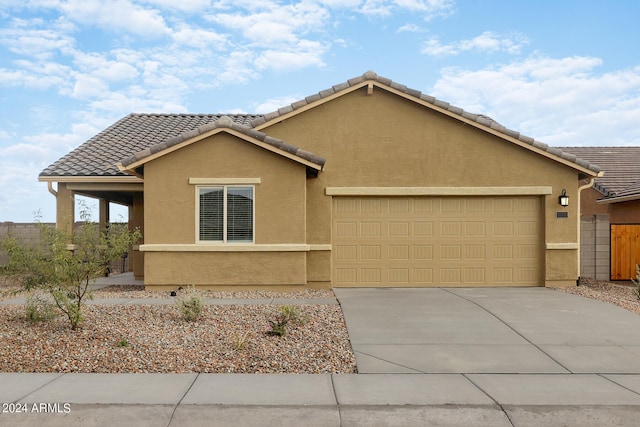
563	199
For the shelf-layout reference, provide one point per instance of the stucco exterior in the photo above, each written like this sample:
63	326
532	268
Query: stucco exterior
171	254
384	140
369	140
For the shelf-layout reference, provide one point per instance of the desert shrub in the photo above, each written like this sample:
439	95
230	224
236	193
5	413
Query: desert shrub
294	314
240	341
286	314
39	308
190	305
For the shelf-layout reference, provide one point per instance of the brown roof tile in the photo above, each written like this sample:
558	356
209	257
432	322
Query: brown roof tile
224	122
621	166
131	134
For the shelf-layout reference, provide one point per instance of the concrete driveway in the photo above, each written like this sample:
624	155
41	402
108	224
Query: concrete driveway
488	330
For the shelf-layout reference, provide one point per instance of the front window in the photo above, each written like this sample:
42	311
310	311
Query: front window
225	214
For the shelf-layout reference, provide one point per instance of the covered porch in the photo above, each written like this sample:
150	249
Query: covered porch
124	191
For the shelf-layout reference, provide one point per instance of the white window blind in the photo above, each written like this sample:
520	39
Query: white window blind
240	214
225	214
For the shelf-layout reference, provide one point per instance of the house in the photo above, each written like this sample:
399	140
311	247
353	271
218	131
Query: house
366	183
610	213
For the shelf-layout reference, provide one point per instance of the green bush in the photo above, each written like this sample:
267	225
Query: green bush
190	306
286	314
39	308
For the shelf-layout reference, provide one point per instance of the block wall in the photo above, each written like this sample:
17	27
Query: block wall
595	247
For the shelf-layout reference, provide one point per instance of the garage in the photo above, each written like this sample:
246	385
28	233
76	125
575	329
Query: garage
438	241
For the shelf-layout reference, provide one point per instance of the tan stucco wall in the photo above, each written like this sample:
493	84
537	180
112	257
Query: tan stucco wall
383	140
215	269
169	211
170	200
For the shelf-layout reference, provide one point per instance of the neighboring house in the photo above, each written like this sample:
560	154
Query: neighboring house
610	212
367	183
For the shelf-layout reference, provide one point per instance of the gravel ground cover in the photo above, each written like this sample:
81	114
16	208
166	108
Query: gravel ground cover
150	338
137	291
622	295
154	339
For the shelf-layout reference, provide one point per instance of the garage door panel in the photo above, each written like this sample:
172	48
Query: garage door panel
437	241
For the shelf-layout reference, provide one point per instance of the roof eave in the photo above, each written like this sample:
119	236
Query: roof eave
614	199
90	178
131	167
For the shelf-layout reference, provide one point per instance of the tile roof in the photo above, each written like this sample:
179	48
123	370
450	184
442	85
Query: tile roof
620	164
137	133
133	133
225	122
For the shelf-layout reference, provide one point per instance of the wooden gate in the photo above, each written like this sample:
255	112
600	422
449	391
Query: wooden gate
625	251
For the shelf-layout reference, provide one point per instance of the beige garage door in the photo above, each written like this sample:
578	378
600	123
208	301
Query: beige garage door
437	241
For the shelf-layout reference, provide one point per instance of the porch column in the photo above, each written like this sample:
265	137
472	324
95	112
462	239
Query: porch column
104	215
136	220
65	209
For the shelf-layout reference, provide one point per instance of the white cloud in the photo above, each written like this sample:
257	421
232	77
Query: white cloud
274	104
37	43
558	101
409	28
485	42
274	23
100	66
87	87
428	8
199	38
305	55
182	5
116	15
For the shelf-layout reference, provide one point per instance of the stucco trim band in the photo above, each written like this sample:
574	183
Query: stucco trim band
327	247
159	247
437	191
224	181
562	246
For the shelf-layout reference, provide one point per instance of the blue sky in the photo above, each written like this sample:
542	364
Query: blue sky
565	72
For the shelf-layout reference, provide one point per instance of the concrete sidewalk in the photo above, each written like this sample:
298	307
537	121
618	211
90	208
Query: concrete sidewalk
319	400
442	357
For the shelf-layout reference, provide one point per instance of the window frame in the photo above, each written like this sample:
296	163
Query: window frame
225	188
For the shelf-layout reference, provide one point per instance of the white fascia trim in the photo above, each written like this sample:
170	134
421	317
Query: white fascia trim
224	181
619	199
438	191
229	247
561	246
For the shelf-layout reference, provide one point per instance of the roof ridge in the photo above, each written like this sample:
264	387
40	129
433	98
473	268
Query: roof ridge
599	146
480	119
193	114
225	122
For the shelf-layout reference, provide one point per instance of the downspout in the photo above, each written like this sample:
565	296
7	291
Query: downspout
51	190
584	187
